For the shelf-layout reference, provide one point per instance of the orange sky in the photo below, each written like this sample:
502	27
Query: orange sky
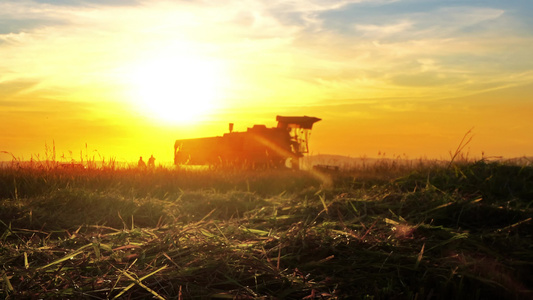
128	78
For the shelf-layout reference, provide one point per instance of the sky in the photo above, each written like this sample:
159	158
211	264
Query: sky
125	78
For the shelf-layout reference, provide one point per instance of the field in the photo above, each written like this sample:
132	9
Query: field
427	231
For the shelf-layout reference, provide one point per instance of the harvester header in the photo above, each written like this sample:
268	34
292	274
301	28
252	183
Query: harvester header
259	146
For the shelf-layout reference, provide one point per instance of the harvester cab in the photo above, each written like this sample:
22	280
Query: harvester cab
299	129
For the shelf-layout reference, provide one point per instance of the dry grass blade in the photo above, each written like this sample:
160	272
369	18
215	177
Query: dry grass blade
323	201
118	279
420	255
66	257
514	225
7	284
453	238
138	281
96	249
26	264
207	216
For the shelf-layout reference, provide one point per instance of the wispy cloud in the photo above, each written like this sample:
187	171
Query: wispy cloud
329	48
380	31
89	2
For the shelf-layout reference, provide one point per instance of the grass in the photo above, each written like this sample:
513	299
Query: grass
458	231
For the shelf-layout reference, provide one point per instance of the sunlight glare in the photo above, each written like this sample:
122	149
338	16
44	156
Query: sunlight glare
176	89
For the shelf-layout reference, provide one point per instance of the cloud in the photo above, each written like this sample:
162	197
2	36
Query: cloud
390	44
426	79
23	25
376	31
17	17
26	16
90	2
327	48
9	89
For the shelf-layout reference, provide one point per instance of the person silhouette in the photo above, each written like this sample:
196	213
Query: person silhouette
141	163
151	162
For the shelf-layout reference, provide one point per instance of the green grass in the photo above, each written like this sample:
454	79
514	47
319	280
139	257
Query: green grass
425	232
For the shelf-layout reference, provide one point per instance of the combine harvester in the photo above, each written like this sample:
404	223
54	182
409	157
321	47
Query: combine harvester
258	147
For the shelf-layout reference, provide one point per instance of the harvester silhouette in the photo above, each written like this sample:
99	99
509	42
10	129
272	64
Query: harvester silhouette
258	147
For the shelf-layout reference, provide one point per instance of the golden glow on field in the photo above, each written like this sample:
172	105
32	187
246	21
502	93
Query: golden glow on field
176	89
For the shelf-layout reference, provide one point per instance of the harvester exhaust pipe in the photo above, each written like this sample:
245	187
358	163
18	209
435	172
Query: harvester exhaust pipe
230	127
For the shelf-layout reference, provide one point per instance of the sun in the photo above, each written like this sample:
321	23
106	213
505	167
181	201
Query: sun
176	89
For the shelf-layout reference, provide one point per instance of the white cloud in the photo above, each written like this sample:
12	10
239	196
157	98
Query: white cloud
463	16
379	31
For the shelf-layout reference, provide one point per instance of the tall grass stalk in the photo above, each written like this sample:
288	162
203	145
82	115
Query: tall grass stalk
467	138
